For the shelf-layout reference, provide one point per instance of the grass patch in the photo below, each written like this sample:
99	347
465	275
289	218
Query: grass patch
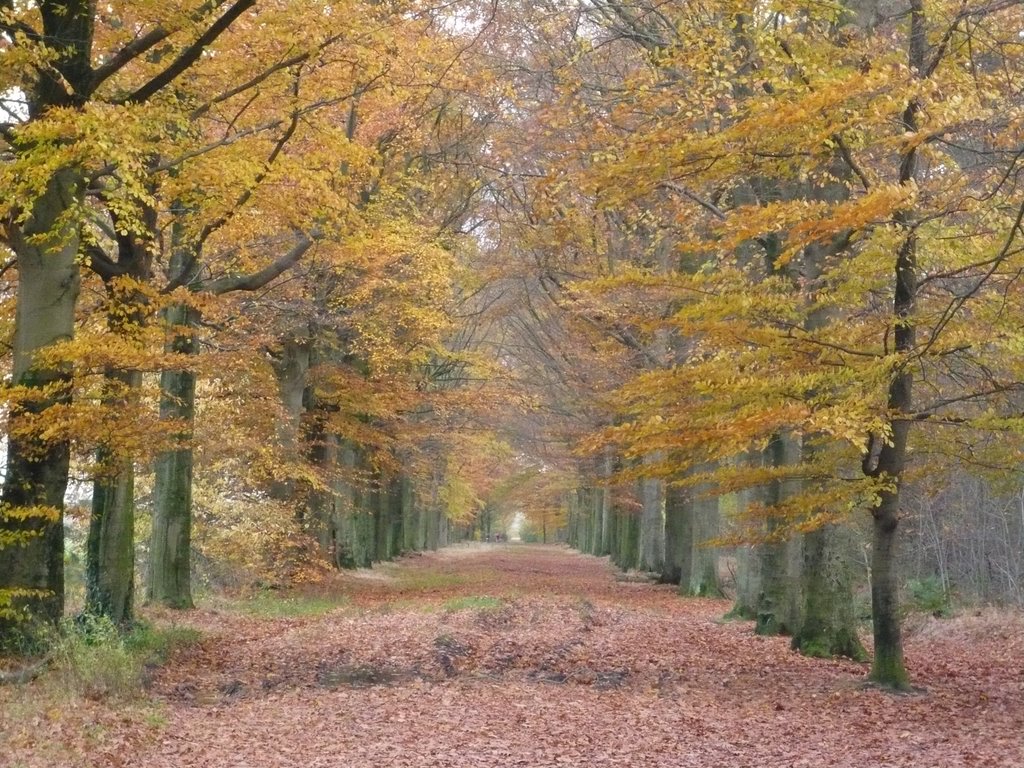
94	659
272	605
474	603
156	644
429	580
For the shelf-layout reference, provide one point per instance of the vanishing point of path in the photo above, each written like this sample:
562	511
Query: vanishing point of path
537	656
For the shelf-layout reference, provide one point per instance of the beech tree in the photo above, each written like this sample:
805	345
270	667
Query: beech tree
66	139
816	98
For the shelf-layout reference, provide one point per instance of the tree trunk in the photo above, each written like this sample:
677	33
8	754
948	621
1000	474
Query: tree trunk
828	625
748	571
410	516
704	580
110	548
596	502
576	520
778	603
607	468
383	537
32	520
652	525
748	584
888	668
627	554
397	532
678	564
170	571
343	512
291	368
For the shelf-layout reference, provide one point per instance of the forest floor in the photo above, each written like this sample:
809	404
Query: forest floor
504	655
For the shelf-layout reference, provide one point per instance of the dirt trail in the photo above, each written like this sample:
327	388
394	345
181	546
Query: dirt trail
531	656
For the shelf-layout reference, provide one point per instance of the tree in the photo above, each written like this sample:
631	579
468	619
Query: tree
62	144
757	368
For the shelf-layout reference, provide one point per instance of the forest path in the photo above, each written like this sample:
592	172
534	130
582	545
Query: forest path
537	656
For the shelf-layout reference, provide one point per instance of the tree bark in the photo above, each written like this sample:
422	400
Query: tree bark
748	571
778	603
828	625
888	667
170	571
32	514
291	368
704	581
678	564
110	547
748	584
410	516
652	525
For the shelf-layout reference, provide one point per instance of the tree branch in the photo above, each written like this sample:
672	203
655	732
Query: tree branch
101	264
126	55
191	54
246	194
252	83
257	280
679	189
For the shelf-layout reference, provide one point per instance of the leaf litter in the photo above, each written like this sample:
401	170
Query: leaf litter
538	656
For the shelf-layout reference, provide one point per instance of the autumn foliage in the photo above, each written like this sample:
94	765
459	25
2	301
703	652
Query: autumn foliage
289	289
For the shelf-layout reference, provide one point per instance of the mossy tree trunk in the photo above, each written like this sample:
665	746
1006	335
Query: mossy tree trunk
704	581
597	507
779	561
748	571
828	625
410	515
110	546
575	519
384	532
32	516
748	584
628	540
46	243
652	525
397	529
886	458
291	366
170	570
607	468
678	564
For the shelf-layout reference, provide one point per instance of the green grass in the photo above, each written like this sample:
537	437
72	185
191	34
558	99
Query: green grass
273	605
429	580
474	603
94	659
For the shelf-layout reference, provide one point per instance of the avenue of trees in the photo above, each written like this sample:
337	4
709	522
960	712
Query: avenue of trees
726	289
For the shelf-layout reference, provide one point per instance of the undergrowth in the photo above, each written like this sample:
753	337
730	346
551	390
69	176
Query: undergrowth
94	659
928	595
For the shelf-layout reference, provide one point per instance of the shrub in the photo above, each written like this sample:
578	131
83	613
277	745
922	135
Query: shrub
928	595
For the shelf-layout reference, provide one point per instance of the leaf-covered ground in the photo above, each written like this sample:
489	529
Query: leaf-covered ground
536	656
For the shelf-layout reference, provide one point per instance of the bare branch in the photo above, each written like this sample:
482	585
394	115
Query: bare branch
681	190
